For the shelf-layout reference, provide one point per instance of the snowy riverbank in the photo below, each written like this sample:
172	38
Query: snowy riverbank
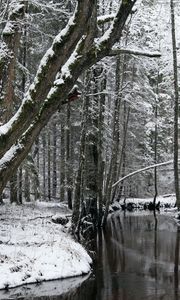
165	203
34	249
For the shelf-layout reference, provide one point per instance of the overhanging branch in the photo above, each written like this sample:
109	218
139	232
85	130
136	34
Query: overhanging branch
143	170
115	52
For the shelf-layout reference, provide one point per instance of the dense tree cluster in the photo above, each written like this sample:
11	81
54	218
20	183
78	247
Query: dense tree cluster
60	144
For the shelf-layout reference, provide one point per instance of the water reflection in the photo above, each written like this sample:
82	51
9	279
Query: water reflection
176	266
143	254
138	259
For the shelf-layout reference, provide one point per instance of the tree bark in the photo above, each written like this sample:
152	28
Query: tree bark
44	163
77	201
54	172
176	107
13	189
12	40
49	164
62	164
68	157
155	143
11	37
26	186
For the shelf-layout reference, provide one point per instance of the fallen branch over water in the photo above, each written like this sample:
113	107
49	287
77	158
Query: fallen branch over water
142	170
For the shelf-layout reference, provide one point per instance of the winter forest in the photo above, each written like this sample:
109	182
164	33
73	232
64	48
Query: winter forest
89	110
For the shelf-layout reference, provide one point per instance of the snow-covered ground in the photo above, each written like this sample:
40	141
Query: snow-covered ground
33	248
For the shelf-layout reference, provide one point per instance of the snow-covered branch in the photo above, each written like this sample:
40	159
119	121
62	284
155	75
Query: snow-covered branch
105	19
61	49
115	52
143	170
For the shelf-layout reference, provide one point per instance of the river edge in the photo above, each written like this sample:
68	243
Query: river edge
34	248
29	248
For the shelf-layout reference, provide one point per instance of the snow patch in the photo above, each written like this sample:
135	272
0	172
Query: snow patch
34	249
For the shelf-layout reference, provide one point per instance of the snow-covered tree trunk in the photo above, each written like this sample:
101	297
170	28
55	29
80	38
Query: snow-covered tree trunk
11	37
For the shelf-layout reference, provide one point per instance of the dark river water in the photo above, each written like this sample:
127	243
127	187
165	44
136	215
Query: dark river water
138	259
